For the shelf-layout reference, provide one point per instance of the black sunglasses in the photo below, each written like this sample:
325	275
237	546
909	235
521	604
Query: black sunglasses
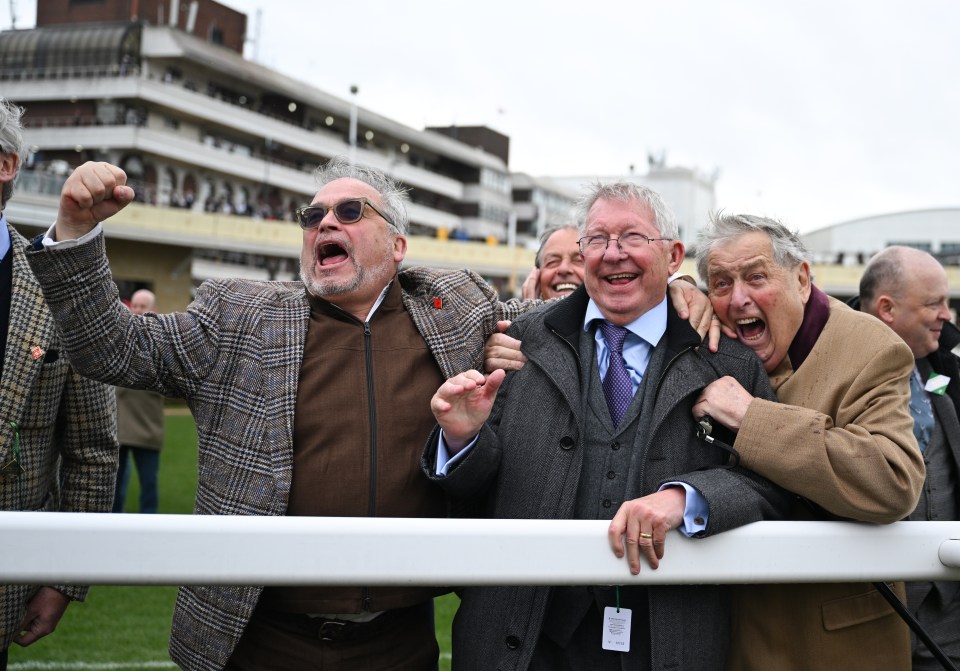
346	211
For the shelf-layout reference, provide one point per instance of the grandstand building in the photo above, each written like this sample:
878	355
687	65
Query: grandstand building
221	150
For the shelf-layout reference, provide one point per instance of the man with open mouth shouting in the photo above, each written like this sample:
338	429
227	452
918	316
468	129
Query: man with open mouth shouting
841	437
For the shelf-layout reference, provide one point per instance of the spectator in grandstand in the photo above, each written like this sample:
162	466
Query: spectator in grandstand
907	290
841	438
58	445
614	373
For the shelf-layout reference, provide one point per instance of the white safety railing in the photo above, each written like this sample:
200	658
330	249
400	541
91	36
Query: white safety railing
66	548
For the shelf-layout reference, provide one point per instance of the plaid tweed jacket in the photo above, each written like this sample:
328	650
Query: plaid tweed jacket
65	425
235	356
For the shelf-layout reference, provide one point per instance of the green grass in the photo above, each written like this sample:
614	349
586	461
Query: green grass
127	625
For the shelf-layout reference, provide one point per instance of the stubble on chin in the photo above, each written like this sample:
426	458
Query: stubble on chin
321	287
326	287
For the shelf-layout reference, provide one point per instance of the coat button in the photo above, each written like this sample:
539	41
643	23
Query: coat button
513	642
614	446
607	503
566	443
611	475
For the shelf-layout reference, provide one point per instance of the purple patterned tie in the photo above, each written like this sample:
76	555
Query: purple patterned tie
617	387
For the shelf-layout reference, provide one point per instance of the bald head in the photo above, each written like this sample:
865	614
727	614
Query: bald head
907	289
143	300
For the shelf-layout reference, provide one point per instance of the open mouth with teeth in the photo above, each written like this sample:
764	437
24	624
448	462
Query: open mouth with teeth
620	278
751	329
331	253
564	287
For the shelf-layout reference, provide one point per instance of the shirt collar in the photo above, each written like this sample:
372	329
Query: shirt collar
650	326
4	237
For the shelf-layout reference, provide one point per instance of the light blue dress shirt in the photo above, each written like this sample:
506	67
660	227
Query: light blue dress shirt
4	237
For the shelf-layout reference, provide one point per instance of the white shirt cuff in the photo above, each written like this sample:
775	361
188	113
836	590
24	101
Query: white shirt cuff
49	241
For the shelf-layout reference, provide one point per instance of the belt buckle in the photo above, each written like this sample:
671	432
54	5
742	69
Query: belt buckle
335	632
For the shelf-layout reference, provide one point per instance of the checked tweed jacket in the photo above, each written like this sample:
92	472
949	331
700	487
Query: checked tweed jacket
235	357
66	426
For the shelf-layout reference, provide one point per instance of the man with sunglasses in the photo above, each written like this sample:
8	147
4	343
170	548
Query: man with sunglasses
615	373
311	398
58	444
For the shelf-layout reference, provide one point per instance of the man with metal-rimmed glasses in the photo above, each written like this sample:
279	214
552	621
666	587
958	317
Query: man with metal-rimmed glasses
615	373
311	398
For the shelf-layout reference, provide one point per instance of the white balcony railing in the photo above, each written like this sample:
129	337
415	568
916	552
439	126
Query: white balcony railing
64	548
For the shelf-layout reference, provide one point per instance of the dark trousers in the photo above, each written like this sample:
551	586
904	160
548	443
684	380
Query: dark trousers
148	468
3	659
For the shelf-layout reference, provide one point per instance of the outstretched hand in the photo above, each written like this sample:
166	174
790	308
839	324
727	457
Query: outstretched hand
463	403
93	192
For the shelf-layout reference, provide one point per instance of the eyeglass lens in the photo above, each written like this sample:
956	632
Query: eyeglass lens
347	212
598	244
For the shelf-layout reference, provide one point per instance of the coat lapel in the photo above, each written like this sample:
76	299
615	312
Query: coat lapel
674	377
31	339
561	362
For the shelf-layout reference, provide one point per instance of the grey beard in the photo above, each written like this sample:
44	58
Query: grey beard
323	288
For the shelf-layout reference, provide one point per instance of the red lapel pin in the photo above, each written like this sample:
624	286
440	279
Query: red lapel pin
36	352
437	303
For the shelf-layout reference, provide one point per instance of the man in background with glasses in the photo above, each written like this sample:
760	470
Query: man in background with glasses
614	372
58	442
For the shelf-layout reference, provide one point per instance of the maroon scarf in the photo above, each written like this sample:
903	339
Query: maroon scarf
815	315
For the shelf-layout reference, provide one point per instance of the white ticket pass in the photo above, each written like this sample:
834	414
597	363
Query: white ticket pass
616	629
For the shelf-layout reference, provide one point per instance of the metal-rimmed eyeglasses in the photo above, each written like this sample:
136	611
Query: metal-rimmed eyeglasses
348	211
595	245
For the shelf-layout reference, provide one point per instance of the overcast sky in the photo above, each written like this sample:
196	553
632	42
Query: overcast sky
814	112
